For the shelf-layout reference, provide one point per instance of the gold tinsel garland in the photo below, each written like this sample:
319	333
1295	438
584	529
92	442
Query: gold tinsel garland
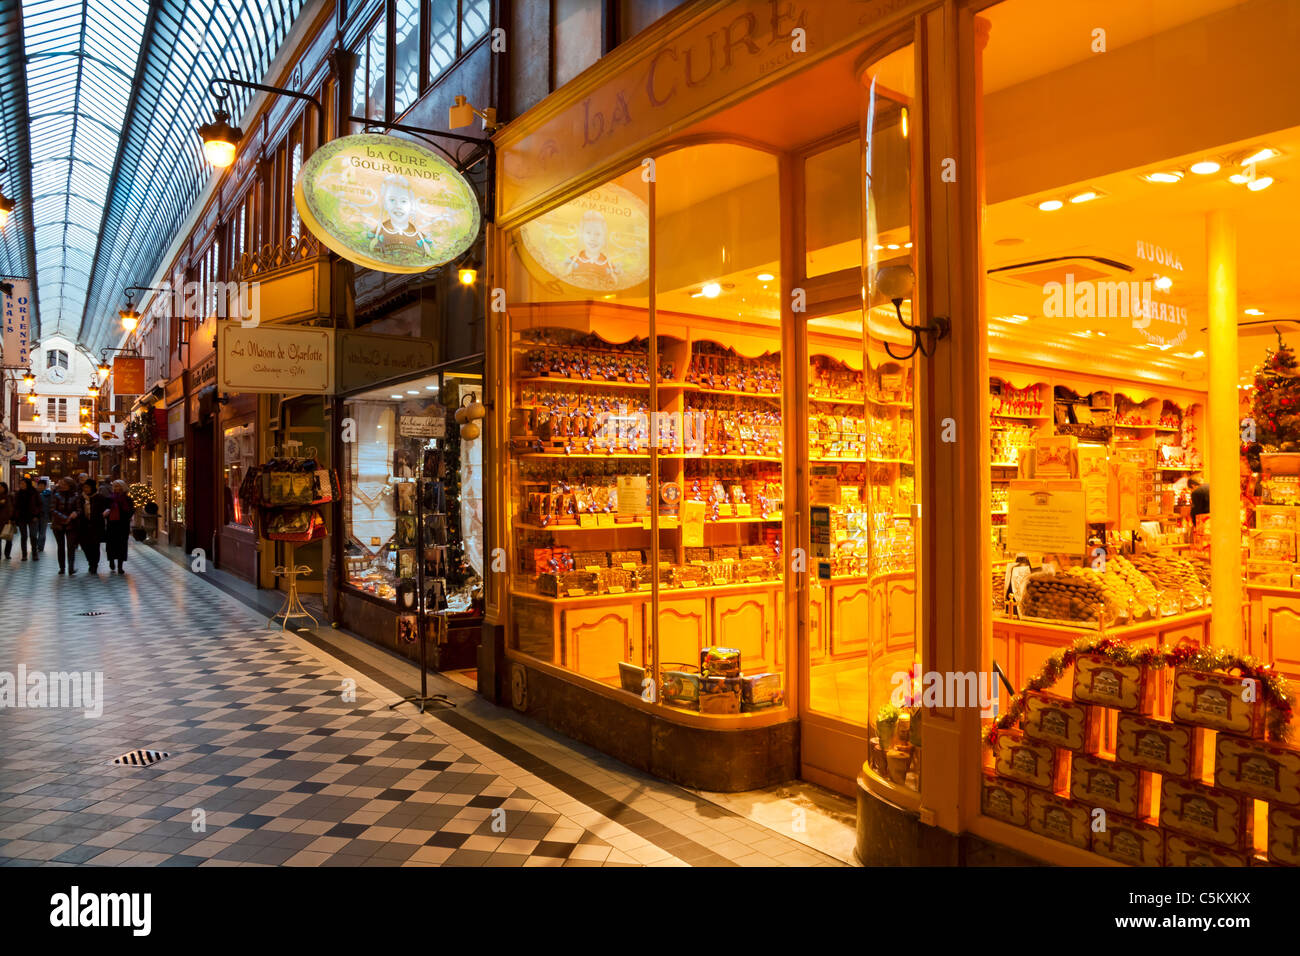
1273	686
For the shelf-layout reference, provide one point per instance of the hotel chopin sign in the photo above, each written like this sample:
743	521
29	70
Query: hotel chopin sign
285	359
386	203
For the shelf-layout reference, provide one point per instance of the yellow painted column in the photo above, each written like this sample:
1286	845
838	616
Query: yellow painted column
1224	439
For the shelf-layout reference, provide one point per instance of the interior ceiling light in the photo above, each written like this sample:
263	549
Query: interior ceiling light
1164	176
1263	182
1163	283
893	246
1050	205
765	277
220	139
1199	353
1086	196
1205	167
1238	178
711	290
1254	311
1261	154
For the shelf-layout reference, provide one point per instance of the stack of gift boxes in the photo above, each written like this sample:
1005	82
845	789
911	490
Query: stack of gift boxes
1051	775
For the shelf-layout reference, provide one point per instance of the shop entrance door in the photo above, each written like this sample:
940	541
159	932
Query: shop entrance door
858	641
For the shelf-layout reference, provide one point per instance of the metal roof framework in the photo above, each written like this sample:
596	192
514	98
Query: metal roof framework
114	91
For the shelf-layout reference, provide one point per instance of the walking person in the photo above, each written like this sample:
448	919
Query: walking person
27	515
7	518
91	507
47	496
117	526
64	520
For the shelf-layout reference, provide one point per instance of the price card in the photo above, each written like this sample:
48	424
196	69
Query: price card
645	523
577	592
725	511
604	521
629	565
718	582
690	584
744	510
754	579
594	567
698	563
587	521
616	589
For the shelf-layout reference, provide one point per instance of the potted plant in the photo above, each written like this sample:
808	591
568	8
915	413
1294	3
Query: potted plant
886	718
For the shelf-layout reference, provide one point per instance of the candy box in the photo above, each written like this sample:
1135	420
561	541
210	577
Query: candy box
681	687
760	690
720	661
1184	851
1206	813
1059	819
1215	701
1099	680
1159	745
1261	770
1055	720
1284	836
1272	545
1129	841
1027	761
1099	782
1004	800
719	695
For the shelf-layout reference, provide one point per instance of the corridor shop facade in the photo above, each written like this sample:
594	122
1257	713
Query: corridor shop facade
698	383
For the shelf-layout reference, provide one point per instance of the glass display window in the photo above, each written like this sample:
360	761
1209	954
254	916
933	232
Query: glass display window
407	470
238	455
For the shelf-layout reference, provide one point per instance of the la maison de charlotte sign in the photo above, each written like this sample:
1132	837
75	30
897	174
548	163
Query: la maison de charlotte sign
283	359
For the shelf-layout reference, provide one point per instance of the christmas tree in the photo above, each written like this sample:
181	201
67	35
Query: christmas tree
1276	403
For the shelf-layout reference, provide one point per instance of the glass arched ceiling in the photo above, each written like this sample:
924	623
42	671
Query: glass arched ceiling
115	91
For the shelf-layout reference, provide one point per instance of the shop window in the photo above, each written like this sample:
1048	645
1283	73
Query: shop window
406	56
56	410
414	493
475	17
239	454
657	573
295	166
442	36
56	357
579	31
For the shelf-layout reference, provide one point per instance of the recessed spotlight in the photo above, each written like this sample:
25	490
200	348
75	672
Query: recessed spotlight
893	246
1199	353
1238	178
1254	311
1086	196
711	290
1164	176
907	245
1050	205
1163	283
431	388
412	391
1263	182
765	277
1205	167
1102	334
398	397
879	247
1266	152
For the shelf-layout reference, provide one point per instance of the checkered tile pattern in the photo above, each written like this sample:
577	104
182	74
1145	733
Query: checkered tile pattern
271	762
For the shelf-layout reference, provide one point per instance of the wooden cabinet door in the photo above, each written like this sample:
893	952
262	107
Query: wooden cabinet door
683	630
901	627
817	625
746	622
1282	633
851	619
597	638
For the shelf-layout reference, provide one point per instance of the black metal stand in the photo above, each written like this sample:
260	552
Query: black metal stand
423	698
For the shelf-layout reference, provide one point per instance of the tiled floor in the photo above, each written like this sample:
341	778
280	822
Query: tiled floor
273	762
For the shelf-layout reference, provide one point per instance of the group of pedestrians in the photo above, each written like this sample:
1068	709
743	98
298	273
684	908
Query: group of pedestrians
79	512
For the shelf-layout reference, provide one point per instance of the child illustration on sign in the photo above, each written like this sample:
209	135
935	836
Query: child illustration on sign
589	266
397	231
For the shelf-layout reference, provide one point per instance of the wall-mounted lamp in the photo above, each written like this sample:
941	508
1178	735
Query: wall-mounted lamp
462	114
129	315
93	389
31	398
29	377
6	204
103	369
220	139
467	274
896	284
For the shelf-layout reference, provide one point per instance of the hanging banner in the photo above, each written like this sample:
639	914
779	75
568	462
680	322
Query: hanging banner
16	310
284	359
112	434
387	203
367	359
128	375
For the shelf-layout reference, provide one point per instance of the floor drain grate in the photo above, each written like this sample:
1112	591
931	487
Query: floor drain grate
91	613
140	758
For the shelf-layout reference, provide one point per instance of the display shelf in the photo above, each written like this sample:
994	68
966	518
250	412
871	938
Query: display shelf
838	461
645	590
1022	418
592	382
886	461
1004	464
906	406
701	390
820	400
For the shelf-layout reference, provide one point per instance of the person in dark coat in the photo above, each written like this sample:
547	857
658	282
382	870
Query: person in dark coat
27	516
6	515
91	508
47	495
64	520
1200	499
117	527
